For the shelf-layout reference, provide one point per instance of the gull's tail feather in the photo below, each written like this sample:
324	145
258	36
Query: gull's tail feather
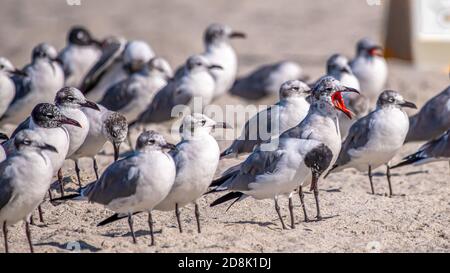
227	197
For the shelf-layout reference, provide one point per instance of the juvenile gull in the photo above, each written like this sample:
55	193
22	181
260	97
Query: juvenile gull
7	87
302	155
266	80
80	55
119	59
40	82
25	177
376	138
288	112
132	95
370	68
195	83
135	183
432	120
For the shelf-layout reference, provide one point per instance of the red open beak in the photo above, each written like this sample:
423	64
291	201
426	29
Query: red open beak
376	51
338	101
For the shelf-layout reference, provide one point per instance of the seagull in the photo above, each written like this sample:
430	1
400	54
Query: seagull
435	150
432	120
376	138
104	126
42	79
132	95
7	87
3	138
266	80
288	112
25	177
300	155
135	183
218	50
370	68
80	55
338	66
119	59
195	83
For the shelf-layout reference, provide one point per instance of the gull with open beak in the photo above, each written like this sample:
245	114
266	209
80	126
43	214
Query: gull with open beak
370	67
39	83
376	138
7	87
299	156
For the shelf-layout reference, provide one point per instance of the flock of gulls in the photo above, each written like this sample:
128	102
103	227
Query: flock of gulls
68	104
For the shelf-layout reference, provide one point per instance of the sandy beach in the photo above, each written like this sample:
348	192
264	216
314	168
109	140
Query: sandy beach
415	219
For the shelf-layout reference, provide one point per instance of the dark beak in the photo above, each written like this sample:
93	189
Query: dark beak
58	60
408	104
222	125
350	90
237	34
347	70
66	120
18	72
169	146
96	42
116	150
49	147
215	66
3	137
90	104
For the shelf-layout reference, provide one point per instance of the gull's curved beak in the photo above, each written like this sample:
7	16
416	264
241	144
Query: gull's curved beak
222	125
18	72
48	147
338	101
90	104
215	66
237	34
58	60
116	147
408	104
169	146
69	121
3	137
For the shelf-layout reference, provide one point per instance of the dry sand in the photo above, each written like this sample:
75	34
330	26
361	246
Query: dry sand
417	218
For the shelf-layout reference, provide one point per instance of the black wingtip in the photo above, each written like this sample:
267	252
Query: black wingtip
330	171
227	197
113	218
408	161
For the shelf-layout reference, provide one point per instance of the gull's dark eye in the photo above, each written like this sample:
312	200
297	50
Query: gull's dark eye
391	100
198	64
26	142
203	122
49	115
70	98
295	88
2	66
329	89
151	141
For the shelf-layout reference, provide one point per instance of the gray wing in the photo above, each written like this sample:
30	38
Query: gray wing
119	95
22	126
436	110
109	56
253	86
119	180
437	148
6	186
22	84
357	137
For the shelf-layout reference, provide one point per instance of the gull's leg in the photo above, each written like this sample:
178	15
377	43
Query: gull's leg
28	232
5	235
41	214
130	223
291	211
177	214
277	208
197	216
315	180
50	195
370	179
94	159
77	171
150	225
302	200
31	219
388	175
61	182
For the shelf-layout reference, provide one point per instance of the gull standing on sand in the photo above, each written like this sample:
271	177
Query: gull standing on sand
338	67
303	154
376	138
434	150
195	83
25	177
119	59
370	67
136	183
266	80
104	125
7	87
80	55
42	79
432	120
132	96
285	114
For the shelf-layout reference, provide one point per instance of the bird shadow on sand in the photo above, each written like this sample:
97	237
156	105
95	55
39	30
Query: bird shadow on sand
83	246
416	172
245	222
138	233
